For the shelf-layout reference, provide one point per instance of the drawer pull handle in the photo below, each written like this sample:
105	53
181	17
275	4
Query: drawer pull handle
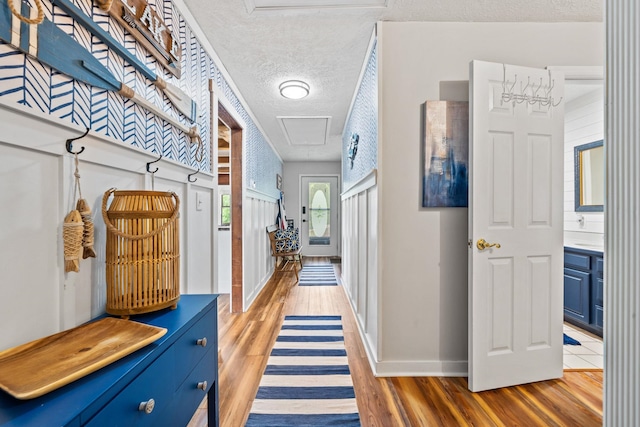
202	385
147	406
202	342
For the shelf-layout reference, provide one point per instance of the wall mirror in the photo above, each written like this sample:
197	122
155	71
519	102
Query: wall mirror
589	177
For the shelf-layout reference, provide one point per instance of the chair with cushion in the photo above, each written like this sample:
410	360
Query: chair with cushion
285	245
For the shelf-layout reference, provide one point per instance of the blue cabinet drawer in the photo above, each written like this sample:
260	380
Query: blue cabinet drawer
577	261
157	382
192	391
190	348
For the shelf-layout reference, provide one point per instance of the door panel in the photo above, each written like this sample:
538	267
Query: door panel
501	185
516	201
501	305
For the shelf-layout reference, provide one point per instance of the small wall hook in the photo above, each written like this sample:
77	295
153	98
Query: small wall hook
149	165
192	174
69	143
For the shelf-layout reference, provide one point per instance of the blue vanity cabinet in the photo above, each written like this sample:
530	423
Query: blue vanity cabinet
584	289
169	378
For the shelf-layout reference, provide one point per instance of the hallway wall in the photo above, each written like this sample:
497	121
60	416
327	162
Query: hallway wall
421	285
40	108
37	185
291	183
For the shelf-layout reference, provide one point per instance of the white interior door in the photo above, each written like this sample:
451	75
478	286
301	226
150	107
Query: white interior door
319	228
515	200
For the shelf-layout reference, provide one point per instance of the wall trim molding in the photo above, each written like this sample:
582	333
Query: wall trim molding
256	194
422	368
27	128
363	184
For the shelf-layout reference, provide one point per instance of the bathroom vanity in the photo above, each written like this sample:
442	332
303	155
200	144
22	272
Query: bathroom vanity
584	288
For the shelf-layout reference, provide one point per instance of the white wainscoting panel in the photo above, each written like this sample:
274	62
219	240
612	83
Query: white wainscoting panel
360	259
30	258
199	206
259	211
37	192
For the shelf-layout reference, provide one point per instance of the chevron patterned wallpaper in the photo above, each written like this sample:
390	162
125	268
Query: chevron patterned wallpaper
26	81
363	120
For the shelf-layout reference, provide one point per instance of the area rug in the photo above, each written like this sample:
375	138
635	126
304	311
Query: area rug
317	275
307	381
567	340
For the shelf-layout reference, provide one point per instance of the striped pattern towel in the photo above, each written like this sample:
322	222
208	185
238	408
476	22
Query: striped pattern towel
307	381
318	275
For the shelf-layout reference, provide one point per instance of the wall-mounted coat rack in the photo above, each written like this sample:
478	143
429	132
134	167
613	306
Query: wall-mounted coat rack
69	143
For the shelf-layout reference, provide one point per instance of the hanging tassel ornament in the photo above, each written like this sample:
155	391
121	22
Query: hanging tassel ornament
72	231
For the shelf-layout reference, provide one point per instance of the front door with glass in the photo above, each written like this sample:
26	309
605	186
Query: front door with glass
319	229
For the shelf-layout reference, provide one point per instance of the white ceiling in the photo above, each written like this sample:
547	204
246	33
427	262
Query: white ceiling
261	46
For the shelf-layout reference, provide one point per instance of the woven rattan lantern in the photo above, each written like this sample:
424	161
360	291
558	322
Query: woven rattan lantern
143	252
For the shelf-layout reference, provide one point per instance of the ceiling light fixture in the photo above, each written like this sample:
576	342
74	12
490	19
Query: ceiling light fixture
294	89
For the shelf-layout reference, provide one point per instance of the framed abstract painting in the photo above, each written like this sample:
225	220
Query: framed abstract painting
445	162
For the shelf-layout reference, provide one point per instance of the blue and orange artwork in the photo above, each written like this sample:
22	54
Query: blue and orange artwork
445	179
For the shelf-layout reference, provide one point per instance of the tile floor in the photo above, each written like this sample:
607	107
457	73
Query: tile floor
588	355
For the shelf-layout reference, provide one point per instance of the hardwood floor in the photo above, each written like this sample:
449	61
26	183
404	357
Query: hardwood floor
246	340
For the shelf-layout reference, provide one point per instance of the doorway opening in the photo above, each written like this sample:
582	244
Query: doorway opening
231	166
223	214
584	227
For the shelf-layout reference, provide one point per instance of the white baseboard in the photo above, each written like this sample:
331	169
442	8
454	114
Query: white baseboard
421	368
406	368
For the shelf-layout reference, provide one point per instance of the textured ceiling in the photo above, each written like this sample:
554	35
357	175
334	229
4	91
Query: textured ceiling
326	47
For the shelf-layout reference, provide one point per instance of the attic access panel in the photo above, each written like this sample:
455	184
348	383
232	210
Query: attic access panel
305	130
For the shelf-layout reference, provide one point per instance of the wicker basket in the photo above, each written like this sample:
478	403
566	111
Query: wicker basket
143	251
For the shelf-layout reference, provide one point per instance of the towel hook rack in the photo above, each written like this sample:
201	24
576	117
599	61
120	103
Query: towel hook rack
192	174
69	143
149	165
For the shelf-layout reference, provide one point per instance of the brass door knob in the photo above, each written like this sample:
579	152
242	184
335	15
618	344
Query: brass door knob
483	244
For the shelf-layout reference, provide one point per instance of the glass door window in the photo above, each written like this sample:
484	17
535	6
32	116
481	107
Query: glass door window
319	213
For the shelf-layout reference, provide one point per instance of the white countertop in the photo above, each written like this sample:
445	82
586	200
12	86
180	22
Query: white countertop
590	246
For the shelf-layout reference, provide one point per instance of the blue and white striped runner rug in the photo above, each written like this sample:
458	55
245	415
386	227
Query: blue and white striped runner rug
318	275
307	381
